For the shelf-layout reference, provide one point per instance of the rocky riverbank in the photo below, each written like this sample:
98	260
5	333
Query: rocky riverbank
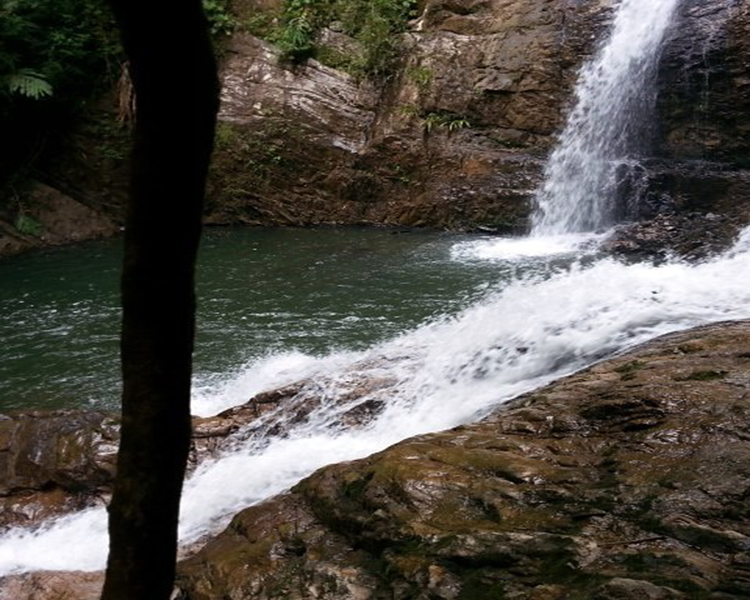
627	480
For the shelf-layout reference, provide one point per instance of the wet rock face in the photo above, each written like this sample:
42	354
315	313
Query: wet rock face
628	480
687	235
54	463
687	208
705	98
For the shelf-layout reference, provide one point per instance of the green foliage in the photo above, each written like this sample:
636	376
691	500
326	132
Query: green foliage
259	24
220	18
374	24
54	44
26	82
225	135
28	226
353	63
422	76
445	120
55	55
435	120
296	38
409	110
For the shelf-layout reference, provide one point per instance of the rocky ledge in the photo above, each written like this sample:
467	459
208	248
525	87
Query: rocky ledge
627	480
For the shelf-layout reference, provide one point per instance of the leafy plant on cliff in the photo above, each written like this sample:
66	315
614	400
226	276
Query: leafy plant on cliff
51	44
26	82
374	24
297	37
421	76
221	21
28	226
445	120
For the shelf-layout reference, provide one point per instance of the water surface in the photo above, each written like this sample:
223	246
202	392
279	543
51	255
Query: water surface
261	293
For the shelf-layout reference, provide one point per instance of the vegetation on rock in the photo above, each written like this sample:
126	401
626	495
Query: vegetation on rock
373	24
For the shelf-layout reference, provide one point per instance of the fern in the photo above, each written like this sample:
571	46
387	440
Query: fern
28	226
28	83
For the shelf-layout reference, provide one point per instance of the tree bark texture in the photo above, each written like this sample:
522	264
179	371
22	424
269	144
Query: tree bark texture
176	86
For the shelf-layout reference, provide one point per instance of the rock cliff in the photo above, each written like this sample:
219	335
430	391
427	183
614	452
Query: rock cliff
457	137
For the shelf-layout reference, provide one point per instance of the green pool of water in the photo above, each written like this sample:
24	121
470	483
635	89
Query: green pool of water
260	292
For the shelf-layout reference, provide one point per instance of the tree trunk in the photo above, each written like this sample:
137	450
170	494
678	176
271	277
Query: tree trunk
174	76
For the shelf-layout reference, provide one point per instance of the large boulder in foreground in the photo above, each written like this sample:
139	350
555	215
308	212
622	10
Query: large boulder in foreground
627	480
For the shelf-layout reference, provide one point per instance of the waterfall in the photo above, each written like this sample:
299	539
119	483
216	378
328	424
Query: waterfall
608	125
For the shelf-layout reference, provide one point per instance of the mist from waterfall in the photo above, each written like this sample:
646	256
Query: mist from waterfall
608	124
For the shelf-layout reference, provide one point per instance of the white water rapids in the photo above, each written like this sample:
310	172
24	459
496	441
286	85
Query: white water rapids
456	369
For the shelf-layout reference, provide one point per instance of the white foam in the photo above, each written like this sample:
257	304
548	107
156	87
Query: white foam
211	395
511	249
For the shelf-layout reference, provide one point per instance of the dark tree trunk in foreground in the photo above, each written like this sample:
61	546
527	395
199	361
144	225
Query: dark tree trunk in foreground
176	87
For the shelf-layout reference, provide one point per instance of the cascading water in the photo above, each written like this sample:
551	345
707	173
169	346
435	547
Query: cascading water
614	102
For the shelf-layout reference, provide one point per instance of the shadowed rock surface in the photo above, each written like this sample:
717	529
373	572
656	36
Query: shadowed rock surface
627	480
51	218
